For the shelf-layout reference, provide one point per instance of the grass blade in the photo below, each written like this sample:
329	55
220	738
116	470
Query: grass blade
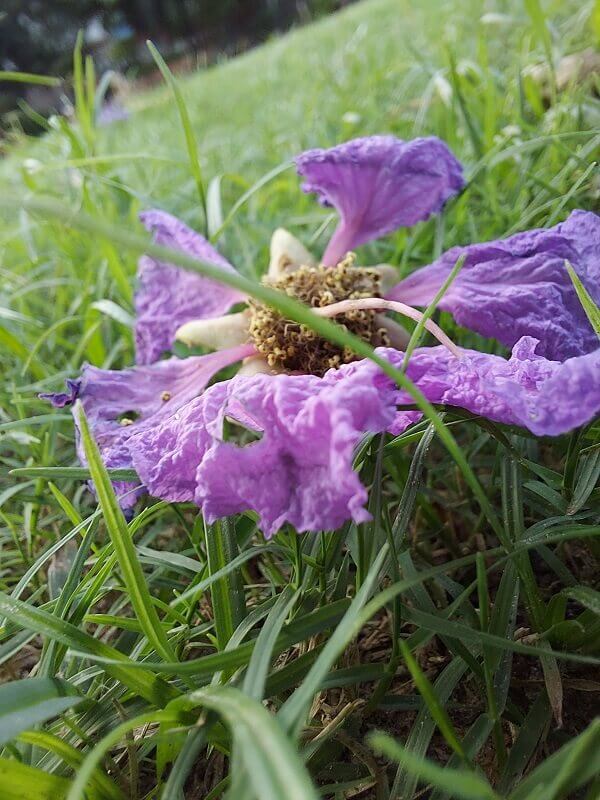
124	548
458	783
21	782
272	763
31	701
589	306
227	593
186	123
145	684
437	711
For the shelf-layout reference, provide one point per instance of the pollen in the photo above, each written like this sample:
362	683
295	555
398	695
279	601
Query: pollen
292	347
165	396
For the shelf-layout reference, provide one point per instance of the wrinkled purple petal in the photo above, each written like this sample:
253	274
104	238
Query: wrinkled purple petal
378	184
547	397
520	286
62	399
168	296
300	471
147	394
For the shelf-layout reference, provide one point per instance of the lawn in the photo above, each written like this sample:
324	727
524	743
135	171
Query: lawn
160	657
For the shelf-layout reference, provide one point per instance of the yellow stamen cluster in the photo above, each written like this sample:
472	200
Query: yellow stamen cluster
292	347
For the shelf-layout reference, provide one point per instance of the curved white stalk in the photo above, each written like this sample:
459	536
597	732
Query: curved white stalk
380	304
216	333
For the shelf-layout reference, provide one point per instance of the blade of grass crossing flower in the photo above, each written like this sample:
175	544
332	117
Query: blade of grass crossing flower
417	334
186	124
591	309
284	304
459	783
116	526
227	593
72	473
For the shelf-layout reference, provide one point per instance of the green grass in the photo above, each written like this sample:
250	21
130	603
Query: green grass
146	651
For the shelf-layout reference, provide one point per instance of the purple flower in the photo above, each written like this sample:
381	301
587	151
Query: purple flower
279	438
300	470
118	403
520	286
168	296
378	184
546	397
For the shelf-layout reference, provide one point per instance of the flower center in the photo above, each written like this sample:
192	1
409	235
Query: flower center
292	347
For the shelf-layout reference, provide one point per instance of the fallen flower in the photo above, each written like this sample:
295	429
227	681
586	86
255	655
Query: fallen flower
305	403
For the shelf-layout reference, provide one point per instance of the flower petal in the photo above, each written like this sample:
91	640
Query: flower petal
548	398
299	472
168	296
217	333
379	183
520	287
143	395
287	253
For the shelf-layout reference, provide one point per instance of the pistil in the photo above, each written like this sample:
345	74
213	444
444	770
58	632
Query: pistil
380	304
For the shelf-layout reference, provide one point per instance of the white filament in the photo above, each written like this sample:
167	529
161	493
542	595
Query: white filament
379	304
